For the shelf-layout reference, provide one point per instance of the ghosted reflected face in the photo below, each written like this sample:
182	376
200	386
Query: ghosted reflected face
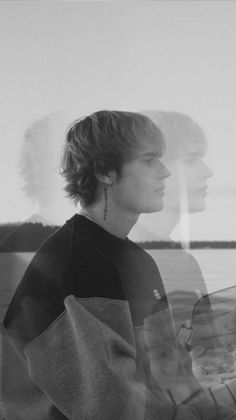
197	173
40	167
186	189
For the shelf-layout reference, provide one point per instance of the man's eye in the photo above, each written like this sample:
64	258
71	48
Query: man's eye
190	160
148	161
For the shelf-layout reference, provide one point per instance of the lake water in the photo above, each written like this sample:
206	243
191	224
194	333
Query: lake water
218	266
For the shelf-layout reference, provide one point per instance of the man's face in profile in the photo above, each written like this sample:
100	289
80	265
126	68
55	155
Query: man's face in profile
188	180
141	187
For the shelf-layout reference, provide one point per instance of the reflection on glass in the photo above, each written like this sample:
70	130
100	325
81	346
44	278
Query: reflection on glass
213	344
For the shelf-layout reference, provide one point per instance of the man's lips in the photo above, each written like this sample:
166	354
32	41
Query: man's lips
202	190
160	190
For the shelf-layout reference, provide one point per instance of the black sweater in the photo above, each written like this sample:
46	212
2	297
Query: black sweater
88	335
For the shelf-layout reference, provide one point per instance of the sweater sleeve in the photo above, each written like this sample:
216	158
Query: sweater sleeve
83	366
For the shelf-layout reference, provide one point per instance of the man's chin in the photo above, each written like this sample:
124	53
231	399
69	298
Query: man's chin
158	207
197	207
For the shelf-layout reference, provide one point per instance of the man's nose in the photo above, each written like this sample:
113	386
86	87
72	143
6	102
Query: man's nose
165	171
207	170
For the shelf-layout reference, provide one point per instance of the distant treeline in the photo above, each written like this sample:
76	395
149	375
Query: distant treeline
193	244
27	237
23	237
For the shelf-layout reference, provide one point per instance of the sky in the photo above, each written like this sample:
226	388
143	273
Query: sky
78	57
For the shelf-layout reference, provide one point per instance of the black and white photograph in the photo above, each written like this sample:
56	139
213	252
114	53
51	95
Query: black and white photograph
118	210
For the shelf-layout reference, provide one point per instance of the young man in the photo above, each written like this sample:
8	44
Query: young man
72	344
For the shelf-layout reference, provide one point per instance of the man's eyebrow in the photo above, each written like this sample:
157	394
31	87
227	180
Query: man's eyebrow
149	154
195	154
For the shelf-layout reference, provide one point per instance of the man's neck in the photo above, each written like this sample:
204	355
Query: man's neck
116	222
160	225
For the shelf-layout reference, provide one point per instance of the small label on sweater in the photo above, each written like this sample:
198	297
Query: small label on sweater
156	294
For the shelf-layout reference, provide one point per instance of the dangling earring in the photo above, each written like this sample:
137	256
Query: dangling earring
105	204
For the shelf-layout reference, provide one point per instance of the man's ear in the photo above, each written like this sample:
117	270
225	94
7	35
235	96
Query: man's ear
106	179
